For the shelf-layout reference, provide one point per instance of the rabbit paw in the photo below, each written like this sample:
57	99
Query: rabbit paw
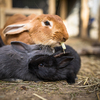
70	77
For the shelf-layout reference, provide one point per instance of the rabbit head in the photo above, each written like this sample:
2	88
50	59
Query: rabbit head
41	29
45	67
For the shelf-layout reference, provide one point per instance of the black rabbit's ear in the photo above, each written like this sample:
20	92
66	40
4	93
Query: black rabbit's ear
64	61
38	58
62	54
34	61
63	57
20	46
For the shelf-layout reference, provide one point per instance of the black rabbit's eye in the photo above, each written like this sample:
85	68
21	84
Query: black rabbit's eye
41	65
47	23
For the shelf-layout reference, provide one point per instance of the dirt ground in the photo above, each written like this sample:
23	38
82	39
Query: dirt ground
87	87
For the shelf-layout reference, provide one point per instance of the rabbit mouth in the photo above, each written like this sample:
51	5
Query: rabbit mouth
52	43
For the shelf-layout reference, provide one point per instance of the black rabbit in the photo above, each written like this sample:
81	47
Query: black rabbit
14	60
58	66
36	62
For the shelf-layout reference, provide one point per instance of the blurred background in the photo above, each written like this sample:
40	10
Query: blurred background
81	17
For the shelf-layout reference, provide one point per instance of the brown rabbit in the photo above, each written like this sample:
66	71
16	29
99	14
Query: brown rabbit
35	29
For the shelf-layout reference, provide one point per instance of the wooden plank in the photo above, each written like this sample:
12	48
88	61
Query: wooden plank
63	9
52	7
5	13
2	17
23	11
8	3
84	18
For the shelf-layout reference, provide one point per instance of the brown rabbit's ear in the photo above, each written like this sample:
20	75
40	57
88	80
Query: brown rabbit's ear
17	28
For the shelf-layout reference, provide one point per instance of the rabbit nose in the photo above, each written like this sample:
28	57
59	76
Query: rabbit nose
64	39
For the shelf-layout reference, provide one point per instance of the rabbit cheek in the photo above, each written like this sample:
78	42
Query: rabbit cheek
41	36
46	73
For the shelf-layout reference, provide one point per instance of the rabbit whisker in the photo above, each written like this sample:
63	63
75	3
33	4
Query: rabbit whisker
51	42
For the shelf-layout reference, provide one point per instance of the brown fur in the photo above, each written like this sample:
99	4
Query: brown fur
32	30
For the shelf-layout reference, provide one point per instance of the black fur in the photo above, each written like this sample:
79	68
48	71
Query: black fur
14	60
56	67
36	62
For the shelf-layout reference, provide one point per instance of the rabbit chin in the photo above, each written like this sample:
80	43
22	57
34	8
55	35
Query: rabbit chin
53	43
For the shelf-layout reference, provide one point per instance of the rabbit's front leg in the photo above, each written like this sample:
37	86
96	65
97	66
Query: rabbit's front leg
70	78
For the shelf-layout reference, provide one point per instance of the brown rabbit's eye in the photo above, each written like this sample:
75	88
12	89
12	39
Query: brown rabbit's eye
47	23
